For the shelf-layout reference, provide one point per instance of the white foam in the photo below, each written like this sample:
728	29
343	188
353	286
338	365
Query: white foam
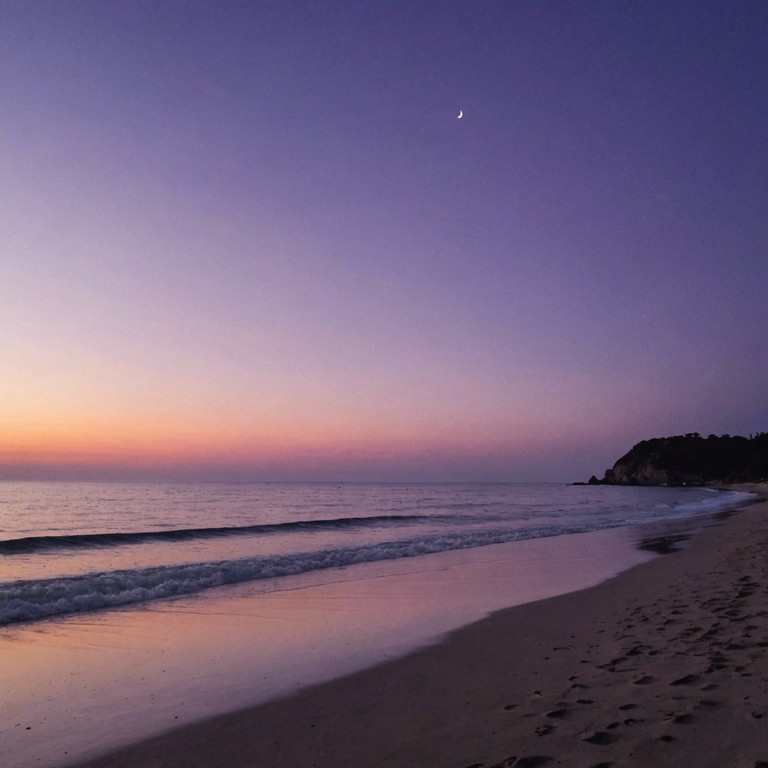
29	600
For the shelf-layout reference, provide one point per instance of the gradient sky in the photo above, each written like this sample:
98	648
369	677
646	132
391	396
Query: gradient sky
252	240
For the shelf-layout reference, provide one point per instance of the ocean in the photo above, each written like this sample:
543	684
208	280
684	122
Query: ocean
127	609
70	548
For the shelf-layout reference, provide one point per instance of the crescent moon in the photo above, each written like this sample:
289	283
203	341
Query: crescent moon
461	114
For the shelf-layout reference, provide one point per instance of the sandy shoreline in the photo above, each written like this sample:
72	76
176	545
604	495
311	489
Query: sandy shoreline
664	665
89	684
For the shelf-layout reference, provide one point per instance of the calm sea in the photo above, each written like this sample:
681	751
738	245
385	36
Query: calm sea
73	547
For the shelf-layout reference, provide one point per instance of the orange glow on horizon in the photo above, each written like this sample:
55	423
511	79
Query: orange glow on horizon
156	446
140	444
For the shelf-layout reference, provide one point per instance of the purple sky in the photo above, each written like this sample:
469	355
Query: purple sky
252	240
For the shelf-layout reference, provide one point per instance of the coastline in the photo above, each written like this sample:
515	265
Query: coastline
86	685
664	664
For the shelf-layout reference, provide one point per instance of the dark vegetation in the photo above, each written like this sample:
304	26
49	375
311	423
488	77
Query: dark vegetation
692	460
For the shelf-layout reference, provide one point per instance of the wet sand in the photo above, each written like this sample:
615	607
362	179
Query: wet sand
664	665
83	685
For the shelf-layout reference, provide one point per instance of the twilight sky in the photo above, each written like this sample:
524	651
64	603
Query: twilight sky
252	240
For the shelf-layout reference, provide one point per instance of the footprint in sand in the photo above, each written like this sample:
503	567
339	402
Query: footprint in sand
601	738
530	761
533	761
708	704
687	680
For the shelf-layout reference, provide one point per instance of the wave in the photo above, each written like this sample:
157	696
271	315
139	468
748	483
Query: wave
28	600
31	544
717	501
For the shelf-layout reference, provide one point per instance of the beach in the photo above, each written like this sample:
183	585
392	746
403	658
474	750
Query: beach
663	665
384	384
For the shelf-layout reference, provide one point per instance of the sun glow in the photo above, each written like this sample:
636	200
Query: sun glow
261	447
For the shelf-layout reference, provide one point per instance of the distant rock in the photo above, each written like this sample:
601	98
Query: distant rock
691	460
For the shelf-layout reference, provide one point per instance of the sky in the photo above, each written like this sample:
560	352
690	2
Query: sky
254	241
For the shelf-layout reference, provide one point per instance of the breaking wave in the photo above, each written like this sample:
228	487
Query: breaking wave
30	544
26	600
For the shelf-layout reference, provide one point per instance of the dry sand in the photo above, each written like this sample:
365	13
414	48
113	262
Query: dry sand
664	665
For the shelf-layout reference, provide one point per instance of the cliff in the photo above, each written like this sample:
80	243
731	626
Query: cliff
691	460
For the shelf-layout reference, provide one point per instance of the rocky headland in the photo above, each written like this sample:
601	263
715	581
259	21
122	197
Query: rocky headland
691	460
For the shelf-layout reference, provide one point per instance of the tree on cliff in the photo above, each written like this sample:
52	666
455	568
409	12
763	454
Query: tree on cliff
693	460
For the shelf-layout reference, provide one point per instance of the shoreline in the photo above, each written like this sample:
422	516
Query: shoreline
663	664
85	686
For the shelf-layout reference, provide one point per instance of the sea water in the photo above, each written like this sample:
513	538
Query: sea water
130	609
68	548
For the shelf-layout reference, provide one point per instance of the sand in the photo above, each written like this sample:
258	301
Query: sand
87	684
664	665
